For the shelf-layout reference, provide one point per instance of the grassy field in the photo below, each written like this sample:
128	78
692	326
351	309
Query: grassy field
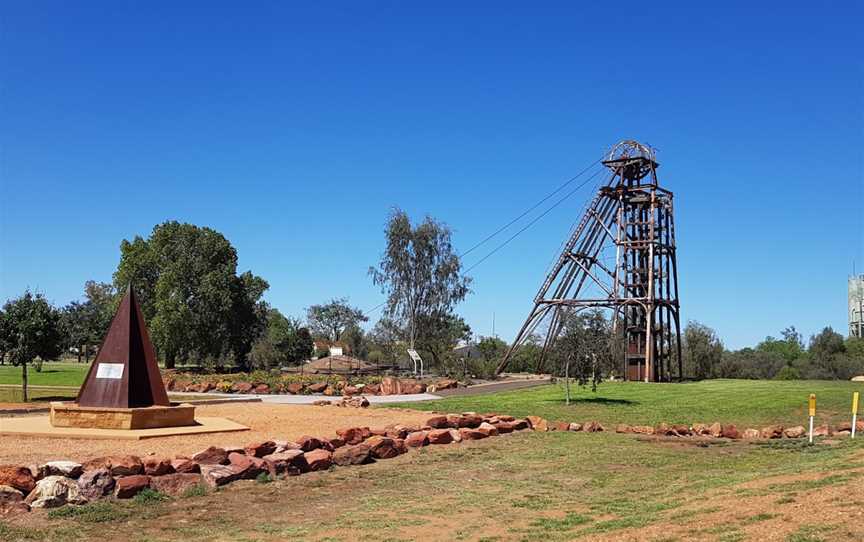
744	402
52	374
527	486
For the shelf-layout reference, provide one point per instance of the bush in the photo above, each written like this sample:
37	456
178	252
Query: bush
149	496
788	373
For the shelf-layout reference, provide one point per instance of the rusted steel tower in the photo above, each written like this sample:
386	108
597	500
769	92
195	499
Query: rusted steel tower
620	256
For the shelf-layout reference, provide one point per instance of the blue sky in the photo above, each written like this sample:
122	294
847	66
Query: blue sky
294	127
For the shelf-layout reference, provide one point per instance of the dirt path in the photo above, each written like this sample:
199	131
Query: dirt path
286	422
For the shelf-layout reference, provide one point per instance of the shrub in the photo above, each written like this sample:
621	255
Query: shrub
788	373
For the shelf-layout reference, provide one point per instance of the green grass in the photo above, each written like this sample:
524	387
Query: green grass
13	395
52	374
751	403
549	486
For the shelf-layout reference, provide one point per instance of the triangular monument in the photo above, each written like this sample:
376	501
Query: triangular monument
125	373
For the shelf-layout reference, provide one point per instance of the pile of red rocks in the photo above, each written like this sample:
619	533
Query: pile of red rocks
388	386
730	431
58	483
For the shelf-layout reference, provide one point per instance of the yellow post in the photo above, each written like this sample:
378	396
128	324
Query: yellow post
854	412
812	414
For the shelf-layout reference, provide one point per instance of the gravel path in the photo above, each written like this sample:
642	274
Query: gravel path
267	421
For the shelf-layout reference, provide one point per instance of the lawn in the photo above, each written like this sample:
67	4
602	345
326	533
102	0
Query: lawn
52	374
743	402
526	486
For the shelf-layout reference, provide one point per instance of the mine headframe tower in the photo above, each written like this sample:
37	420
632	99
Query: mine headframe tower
629	224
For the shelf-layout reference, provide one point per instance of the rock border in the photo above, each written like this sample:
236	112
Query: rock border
58	483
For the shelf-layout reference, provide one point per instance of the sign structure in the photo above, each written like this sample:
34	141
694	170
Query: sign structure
124	373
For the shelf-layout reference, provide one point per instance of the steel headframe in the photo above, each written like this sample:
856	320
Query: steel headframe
632	215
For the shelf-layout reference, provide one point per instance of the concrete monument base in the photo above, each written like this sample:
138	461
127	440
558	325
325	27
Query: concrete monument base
66	414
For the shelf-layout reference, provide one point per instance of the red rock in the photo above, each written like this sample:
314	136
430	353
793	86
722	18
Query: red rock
335	443
330	391
177	483
730	431
322	402
233	449
471	434
438	422
715	430
560	426
260	449
241	387
9	494
382	447
354	435
440	436
772	431
750	434
292	462
157	466
119	465
294	388
262	389
682	430
623	428
216	475
504	427
455	435
95	484
578	427
665	429
354	402
246	466
642	429
538	423
390	386
307	443
700	429
169	383
519	425
843	427
796	432
211	456
129	486
371	389
416	439
445	384
348	391
822	431
185	466
318	459
18	477
593	427
411	386
317	387
489	429
357	454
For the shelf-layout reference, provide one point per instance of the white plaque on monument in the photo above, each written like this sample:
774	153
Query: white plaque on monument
113	371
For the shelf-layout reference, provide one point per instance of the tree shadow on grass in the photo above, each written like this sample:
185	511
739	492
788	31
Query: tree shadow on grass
595	401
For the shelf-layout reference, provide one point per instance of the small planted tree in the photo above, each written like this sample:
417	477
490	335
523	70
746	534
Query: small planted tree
30	328
332	319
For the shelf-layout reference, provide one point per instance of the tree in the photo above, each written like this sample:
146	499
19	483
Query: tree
285	341
85	323
30	328
827	358
330	320
492	348
583	349
437	335
196	305
790	347
702	350
421	276
354	337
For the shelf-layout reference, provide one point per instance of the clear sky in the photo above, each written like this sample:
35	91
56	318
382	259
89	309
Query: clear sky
293	127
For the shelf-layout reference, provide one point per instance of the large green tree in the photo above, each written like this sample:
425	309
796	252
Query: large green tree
329	321
701	349
30	328
422	277
197	306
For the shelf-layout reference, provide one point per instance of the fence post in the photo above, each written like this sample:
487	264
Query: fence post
854	412
812	414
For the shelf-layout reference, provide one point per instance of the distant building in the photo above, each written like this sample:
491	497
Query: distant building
335	348
856	306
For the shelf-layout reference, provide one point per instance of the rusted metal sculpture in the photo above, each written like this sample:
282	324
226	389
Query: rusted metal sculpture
125	373
620	256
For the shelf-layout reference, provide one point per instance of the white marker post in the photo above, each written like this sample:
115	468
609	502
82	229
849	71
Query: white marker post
812	414
854	412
